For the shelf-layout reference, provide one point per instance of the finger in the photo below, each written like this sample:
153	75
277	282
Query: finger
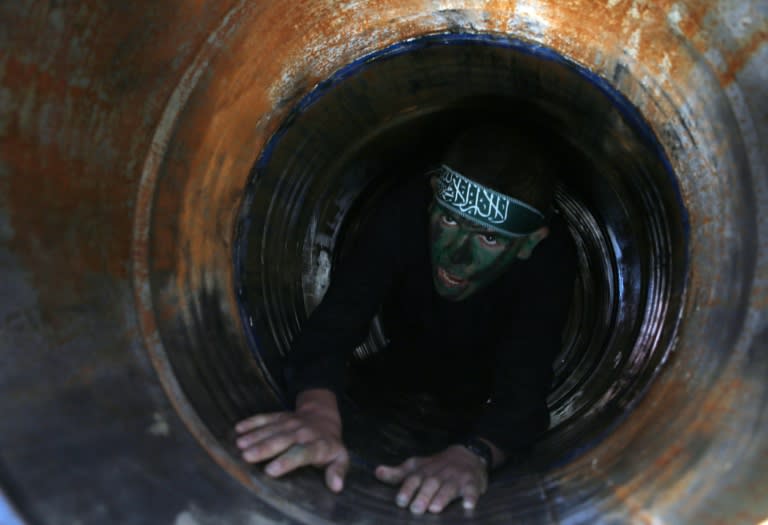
404	496
395	475
258	420
269	448
279	426
296	456
447	493
336	472
428	490
470	493
391	475
317	453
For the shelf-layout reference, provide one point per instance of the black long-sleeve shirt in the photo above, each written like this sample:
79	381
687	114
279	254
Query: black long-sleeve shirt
498	343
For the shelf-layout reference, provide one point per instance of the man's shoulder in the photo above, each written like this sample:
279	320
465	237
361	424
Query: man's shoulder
552	261
558	247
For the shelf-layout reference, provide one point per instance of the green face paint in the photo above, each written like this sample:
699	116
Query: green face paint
466	256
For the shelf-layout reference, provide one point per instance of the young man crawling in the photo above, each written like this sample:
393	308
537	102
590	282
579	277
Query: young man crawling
472	273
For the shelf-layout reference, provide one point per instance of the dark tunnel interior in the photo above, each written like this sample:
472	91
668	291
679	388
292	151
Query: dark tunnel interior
616	192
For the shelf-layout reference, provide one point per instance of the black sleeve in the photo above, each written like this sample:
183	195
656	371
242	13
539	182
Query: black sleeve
518	412
342	320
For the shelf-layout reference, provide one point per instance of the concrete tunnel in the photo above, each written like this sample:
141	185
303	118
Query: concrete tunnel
177	179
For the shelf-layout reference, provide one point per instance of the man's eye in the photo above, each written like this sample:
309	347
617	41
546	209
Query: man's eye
490	239
447	219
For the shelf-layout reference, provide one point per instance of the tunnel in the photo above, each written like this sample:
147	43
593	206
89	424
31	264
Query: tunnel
179	180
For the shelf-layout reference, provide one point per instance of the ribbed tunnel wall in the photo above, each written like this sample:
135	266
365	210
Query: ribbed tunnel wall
127	135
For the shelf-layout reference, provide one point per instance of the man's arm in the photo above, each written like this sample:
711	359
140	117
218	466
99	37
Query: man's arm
342	320
518	416
518	413
316	369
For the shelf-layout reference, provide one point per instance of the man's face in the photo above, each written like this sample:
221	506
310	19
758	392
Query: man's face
465	255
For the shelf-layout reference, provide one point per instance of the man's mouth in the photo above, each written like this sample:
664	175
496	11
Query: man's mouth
450	280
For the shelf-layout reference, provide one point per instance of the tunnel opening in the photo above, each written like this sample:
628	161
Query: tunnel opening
619	197
129	131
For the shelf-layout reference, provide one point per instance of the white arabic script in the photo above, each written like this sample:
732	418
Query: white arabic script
474	200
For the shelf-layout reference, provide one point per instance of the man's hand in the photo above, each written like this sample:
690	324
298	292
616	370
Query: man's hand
437	480
309	436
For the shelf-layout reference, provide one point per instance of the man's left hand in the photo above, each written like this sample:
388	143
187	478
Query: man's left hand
437	480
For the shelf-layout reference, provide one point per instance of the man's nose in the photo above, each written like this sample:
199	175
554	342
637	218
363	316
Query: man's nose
461	251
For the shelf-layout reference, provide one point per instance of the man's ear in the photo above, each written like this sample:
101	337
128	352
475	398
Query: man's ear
531	242
433	183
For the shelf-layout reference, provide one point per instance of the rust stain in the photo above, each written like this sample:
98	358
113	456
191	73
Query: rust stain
672	453
739	58
98	244
692	18
82	102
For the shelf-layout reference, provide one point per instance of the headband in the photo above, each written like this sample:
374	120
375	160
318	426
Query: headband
484	206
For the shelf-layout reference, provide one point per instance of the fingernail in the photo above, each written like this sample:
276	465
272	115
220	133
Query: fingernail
468	505
273	469
337	484
434	508
402	501
417	509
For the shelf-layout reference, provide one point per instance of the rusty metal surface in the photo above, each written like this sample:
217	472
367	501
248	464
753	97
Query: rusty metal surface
127	133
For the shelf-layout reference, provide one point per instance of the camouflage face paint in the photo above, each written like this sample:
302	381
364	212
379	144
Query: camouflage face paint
466	256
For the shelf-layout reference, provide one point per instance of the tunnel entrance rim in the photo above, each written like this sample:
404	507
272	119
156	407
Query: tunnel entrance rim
629	113
143	220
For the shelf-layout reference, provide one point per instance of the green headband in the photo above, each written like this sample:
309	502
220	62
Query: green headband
484	206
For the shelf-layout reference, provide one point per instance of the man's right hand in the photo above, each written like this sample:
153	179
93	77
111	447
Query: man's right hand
309	436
